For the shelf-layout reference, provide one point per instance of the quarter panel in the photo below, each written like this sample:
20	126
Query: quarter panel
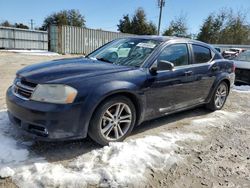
225	73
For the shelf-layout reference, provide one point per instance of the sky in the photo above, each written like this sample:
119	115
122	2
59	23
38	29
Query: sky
105	14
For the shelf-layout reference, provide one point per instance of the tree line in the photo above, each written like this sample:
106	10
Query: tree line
16	25
224	26
65	17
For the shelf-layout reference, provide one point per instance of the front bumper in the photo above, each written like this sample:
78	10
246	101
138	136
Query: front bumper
45	121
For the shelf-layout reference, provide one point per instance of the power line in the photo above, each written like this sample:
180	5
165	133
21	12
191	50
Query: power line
161	4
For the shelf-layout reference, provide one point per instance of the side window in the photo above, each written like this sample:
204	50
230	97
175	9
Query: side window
201	54
176	54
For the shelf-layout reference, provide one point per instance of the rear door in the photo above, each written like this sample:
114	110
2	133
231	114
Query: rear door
204	71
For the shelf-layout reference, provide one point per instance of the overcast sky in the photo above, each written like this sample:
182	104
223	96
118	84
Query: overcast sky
105	14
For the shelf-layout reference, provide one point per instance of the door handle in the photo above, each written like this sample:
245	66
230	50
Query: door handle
188	73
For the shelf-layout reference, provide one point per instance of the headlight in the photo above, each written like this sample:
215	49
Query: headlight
54	93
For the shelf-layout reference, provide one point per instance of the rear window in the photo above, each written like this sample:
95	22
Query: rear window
201	54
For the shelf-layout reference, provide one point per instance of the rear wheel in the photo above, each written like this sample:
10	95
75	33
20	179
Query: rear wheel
113	120
219	97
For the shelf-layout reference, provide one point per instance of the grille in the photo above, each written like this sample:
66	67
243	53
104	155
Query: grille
23	89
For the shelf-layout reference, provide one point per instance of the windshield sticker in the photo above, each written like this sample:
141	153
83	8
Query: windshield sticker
146	45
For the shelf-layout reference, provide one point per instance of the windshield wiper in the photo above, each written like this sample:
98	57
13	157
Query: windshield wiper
105	60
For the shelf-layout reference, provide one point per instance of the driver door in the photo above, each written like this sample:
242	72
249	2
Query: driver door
170	90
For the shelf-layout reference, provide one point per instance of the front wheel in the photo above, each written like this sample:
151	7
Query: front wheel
219	97
113	120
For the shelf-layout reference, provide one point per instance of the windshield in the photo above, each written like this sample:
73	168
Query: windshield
128	51
244	56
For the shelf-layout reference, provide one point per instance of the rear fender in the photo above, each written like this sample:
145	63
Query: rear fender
222	77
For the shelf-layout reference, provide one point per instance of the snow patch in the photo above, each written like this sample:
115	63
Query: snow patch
217	119
33	52
6	172
198	125
11	150
242	88
125	164
119	164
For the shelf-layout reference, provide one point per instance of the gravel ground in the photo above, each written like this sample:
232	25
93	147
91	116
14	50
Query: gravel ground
221	159
11	62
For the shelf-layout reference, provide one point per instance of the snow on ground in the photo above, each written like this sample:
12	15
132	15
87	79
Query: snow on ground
217	119
125	164
6	172
11	150
120	164
33	52
242	88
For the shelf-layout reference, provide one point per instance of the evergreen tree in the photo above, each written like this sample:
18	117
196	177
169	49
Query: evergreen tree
65	17
177	27
225	28
21	25
138	24
6	24
206	32
125	24
16	25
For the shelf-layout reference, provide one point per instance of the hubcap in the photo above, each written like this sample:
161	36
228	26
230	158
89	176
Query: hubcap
220	96
116	121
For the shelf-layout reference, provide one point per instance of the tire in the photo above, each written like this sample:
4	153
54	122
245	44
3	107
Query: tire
107	125
219	97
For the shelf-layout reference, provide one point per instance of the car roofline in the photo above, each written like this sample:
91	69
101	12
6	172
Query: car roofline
168	39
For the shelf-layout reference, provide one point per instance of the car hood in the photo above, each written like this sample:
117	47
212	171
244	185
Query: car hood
242	64
64	69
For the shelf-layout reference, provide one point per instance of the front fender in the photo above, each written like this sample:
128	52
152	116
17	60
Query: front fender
105	90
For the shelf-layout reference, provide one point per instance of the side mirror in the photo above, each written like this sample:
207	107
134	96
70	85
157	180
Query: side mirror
164	65
160	66
153	69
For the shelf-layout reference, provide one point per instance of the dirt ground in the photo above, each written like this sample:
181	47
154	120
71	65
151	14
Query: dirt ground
221	159
11	62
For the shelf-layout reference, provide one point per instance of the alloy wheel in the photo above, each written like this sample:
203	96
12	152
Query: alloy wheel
116	121
220	96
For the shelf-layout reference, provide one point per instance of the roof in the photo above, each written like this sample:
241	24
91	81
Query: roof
168	38
154	37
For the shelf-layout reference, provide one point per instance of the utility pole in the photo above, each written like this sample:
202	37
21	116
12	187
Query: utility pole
161	4
31	24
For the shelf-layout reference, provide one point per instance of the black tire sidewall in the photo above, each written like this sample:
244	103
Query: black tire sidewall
95	123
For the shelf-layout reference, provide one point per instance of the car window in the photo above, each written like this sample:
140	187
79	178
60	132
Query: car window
128	51
201	54
176	54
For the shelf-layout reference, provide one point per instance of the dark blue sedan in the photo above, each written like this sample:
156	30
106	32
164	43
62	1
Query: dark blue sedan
116	87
